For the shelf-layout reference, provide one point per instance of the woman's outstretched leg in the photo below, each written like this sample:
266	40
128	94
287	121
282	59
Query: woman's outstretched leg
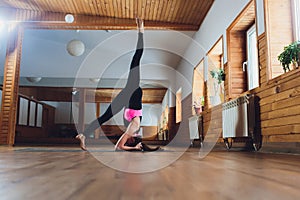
116	106
133	80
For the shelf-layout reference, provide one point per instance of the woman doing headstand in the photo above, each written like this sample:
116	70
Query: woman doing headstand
130	98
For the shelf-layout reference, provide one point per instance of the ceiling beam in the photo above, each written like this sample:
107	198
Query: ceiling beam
102	95
106	23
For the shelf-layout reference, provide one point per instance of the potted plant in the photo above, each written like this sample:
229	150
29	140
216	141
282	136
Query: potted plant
218	74
199	105
290	55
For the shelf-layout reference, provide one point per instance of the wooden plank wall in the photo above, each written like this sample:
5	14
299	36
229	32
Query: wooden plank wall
181	137
280	103
262	59
279	97
173	127
227	83
47	128
212	123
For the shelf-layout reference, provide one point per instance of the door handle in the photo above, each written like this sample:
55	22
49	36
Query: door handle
245	65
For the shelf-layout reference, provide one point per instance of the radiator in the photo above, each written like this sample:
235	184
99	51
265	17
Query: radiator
193	127
196	129
238	117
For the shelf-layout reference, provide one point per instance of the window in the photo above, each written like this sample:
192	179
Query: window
252	59
296	18
163	123
241	45
215	86
279	33
178	106
23	111
39	117
198	87
32	113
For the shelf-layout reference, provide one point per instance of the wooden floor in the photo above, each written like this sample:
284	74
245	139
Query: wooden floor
68	173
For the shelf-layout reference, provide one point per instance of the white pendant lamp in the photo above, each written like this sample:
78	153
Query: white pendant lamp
75	47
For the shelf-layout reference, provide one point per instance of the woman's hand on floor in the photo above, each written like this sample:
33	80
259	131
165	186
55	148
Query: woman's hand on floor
139	146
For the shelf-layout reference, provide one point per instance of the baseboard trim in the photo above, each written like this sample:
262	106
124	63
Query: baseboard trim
281	147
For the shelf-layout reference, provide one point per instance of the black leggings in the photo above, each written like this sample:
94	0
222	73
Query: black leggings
130	96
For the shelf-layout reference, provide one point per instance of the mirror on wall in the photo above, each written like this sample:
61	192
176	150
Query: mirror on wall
3	44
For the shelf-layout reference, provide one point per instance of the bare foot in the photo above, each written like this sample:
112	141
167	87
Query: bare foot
81	138
140	24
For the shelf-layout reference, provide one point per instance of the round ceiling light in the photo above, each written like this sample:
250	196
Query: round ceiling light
69	18
33	79
75	48
94	80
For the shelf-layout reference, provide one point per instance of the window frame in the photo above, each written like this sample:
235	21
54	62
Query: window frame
195	95
23	111
179	105
236	79
277	14
252	30
215	92
296	19
30	112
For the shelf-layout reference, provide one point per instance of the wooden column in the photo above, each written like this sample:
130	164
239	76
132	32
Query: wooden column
82	100
11	85
97	131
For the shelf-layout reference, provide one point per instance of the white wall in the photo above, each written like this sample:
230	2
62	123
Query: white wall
3	44
62	111
260	21
169	99
107	55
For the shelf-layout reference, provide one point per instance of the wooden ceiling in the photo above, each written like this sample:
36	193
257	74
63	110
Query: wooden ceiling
245	20
112	14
